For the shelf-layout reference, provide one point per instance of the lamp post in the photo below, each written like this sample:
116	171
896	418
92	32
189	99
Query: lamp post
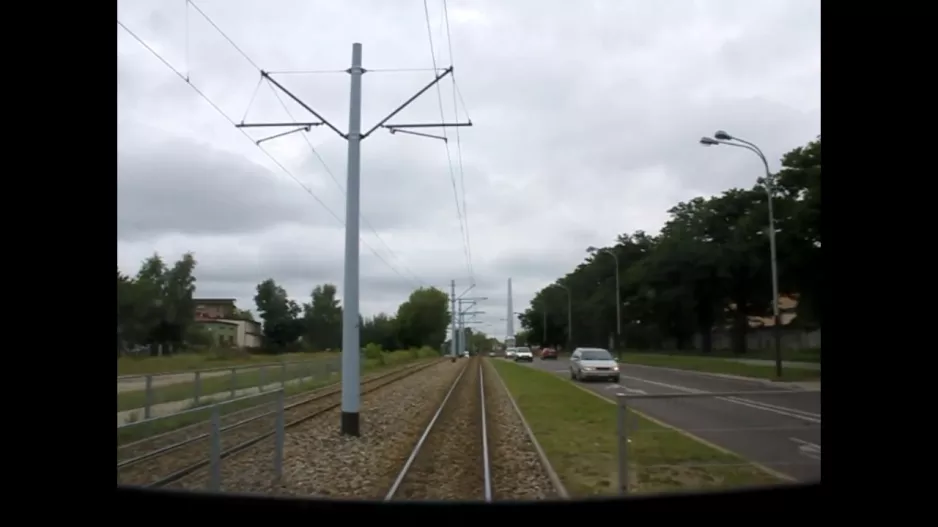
594	250
569	314
723	138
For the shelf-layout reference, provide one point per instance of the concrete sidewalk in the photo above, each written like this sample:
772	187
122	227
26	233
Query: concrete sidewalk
173	407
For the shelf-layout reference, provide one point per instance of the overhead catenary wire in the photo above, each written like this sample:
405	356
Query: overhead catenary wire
393	255
335	180
270	156
459	209
462	179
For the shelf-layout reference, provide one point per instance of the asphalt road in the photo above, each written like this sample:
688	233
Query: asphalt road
782	432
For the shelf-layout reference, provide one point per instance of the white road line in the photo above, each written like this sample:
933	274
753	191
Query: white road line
781	410
619	387
807	448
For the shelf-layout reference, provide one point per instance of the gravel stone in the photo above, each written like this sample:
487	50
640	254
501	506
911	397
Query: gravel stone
517	472
152	470
449	465
319	461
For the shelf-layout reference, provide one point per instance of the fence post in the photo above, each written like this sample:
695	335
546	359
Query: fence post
214	482
234	381
622	429
283	374
260	378
148	396
278	438
198	387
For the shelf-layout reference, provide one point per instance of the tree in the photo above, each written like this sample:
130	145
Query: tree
322	318
155	307
422	319
279	314
709	267
382	331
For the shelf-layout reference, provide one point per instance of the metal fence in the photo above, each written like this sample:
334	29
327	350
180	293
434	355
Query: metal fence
662	460
141	394
215	453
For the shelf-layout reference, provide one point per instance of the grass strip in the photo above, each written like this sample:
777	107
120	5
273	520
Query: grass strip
369	367
187	362
578	434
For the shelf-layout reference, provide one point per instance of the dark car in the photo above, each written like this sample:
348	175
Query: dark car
548	353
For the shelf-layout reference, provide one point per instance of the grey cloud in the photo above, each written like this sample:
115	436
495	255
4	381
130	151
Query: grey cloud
586	115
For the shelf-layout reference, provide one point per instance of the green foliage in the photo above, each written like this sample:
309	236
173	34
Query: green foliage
710	266
155	307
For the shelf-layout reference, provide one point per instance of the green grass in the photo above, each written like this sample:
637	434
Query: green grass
577	431
186	362
185	389
719	365
369	367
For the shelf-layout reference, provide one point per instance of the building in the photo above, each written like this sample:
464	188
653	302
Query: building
211	308
217	316
233	333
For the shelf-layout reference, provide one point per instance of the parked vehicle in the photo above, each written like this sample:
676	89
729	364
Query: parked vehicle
593	363
524	355
548	353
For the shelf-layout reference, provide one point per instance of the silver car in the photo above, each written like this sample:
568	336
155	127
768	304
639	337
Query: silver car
593	363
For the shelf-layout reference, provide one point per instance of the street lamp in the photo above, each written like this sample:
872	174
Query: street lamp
569	314
723	138
594	250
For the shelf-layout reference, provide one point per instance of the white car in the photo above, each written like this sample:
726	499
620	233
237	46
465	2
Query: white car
593	363
510	353
524	354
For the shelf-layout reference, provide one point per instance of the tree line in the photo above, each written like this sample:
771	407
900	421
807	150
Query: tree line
419	321
708	267
156	310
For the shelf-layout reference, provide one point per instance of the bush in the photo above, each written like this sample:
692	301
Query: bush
374	352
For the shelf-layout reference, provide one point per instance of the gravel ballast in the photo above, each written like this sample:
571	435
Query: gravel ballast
319	461
449	465
151	470
517	472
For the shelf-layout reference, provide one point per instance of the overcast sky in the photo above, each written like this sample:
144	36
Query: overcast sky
586	117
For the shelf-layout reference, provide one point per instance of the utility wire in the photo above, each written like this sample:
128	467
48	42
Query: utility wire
462	179
449	158
312	149
392	253
270	156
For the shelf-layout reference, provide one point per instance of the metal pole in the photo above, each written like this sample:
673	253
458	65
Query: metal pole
279	436
726	139
777	329
148	397
214	482
621	414
569	319
452	322
544	337
350	330
618	306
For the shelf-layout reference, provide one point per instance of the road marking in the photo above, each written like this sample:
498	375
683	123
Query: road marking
619	387
685	433
781	410
807	448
